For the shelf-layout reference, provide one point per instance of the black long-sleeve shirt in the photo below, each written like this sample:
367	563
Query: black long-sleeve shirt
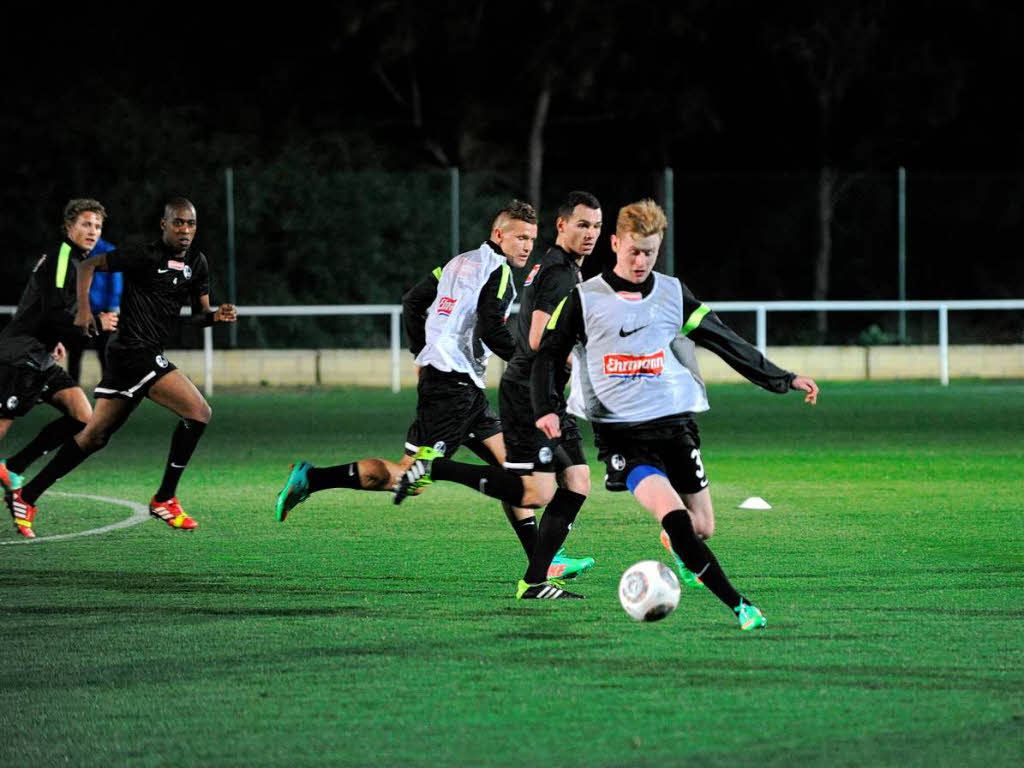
702	325
550	281
46	311
492	303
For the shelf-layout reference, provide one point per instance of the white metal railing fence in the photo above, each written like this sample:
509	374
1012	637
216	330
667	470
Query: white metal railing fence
760	308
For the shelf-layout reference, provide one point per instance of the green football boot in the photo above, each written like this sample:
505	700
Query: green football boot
565	567
546	590
295	491
11	481
686	577
750	616
417	476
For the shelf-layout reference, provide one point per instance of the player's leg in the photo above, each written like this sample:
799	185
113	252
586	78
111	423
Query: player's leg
8	480
651	487
559	516
75	414
106	419
177	394
440	404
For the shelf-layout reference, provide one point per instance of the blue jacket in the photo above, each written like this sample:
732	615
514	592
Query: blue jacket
105	293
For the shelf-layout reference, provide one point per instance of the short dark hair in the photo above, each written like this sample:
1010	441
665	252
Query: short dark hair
80	205
175	203
517	210
574	198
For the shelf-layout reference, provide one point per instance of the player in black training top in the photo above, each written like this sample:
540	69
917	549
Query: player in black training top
159	279
530	453
32	344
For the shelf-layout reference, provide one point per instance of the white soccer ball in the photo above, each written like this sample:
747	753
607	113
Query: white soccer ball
649	590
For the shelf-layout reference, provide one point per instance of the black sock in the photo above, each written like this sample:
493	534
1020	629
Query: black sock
339	476
698	557
554	527
495	482
526	530
68	457
53	435
183	443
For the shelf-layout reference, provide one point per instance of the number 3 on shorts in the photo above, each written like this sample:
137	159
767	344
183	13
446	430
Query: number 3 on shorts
699	471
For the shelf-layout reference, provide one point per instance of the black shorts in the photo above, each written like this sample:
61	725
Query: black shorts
672	446
527	449
450	410
23	386
131	371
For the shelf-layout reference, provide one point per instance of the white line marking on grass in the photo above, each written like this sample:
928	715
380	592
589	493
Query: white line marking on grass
140	513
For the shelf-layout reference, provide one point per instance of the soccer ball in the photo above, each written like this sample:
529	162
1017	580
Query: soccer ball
649	590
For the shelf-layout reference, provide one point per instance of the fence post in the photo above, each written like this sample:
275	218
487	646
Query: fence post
670	214
229	183
762	329
208	360
396	350
944	345
453	180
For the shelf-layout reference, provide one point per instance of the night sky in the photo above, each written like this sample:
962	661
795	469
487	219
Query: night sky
100	102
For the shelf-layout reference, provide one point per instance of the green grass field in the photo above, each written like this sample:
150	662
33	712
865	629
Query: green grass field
363	634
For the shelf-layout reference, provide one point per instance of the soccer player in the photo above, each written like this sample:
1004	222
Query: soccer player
637	382
531	455
31	345
454	318
159	279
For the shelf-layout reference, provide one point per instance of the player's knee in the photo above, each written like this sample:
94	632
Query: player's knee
203	413
92	441
535	498
703	526
579	482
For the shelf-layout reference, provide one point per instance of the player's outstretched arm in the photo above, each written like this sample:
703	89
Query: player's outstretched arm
84	319
807	385
204	314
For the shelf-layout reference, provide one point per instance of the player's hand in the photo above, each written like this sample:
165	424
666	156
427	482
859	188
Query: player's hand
108	321
807	385
59	353
225	313
550	425
85	323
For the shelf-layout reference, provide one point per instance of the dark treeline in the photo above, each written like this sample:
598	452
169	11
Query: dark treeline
785	128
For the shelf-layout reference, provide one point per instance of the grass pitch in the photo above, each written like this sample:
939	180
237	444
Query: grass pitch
363	634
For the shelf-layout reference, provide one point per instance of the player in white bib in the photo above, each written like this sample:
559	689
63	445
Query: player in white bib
635	378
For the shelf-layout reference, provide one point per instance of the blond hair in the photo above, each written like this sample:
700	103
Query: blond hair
641	219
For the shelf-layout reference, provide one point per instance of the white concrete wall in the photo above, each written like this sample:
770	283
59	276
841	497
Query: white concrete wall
372	367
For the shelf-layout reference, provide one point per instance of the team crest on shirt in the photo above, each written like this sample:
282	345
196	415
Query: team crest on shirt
12	402
635	366
533	274
180	266
161	361
446	305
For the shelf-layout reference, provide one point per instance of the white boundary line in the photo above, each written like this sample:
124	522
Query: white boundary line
140	513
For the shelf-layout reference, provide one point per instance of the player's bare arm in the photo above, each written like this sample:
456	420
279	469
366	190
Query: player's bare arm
84	319
225	313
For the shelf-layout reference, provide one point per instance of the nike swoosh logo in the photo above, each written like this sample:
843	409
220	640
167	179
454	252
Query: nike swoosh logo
177	466
161	271
482	485
624	333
